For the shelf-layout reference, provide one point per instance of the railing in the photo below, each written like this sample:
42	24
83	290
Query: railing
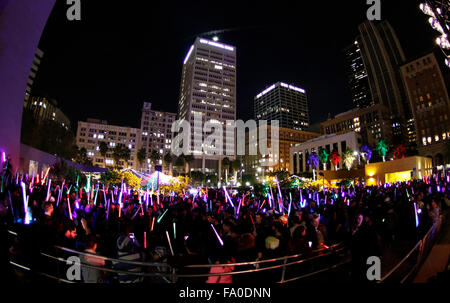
290	268
407	268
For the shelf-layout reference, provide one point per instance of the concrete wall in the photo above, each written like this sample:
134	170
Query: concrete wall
21	26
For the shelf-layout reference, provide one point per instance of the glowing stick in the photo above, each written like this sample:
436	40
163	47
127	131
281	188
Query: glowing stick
24	195
70	210
217	235
160	218
303	203
317	198
239	208
145	240
48	190
170	243
96	193
262	204
153	223
227	196
45	177
174	230
290	203
270	202
301	195
415	212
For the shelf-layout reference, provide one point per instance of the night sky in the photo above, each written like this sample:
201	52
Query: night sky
128	52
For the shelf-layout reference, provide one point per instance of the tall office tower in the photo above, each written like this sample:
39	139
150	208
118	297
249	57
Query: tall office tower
357	76
382	55
34	69
283	102
156	133
208	90
430	104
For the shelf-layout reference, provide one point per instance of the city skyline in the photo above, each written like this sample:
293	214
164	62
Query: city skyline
129	83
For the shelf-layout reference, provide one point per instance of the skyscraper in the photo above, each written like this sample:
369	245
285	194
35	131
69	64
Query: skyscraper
382	55
430	104
208	89
34	69
357	76
283	102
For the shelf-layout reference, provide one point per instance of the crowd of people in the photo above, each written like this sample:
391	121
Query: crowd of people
209	226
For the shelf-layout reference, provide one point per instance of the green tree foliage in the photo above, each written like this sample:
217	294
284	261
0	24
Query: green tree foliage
114	177
348	157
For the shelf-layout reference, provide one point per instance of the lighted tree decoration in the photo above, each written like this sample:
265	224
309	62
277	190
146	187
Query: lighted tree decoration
348	156
313	161
399	152
366	152
324	156
335	159
382	149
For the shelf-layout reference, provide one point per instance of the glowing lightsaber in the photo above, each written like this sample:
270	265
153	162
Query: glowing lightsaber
145	240
174	230
217	235
70	209
239	208
48	190
24	195
228	196
153	223
45	177
96	193
290	203
170	243
160	218
417	216
303	203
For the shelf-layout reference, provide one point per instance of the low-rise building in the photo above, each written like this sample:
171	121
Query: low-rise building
94	131
373	123
299	153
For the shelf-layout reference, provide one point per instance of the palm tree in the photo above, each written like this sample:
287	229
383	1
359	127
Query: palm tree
117	155
226	165
103	147
168	161
179	162
188	160
236	165
141	156
154	157
335	158
348	157
125	154
382	149
323	157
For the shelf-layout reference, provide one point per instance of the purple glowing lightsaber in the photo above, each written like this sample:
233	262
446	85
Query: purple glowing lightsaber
227	196
48	190
217	235
417	216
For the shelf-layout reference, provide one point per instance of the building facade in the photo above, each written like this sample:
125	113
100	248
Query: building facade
156	133
93	131
357	76
46	109
283	102
299	153
287	138
208	90
382	55
373	123
430	105
34	69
